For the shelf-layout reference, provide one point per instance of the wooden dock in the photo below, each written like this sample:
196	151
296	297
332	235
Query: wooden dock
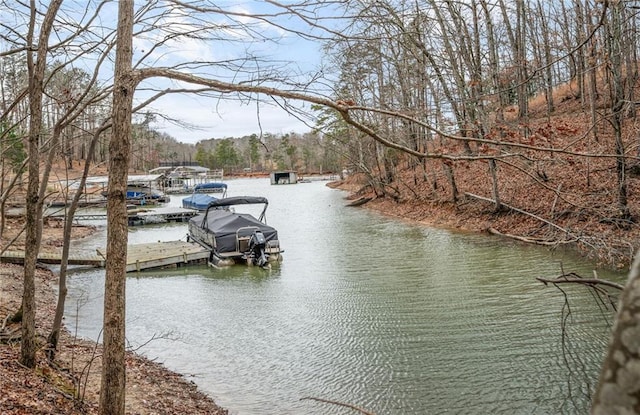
166	214
163	254
139	256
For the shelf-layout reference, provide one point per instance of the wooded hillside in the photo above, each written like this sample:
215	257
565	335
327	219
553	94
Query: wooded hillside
523	113
515	116
500	106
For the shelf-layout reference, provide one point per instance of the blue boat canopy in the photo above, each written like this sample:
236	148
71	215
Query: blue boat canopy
199	201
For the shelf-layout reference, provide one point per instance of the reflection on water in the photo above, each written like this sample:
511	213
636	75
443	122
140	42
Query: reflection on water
394	318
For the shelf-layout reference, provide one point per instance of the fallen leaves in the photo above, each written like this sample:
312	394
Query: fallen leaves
51	389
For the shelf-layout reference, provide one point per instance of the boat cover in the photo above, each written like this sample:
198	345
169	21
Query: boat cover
131	194
239	200
198	201
224	225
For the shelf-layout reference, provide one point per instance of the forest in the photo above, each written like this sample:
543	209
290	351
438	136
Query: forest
522	113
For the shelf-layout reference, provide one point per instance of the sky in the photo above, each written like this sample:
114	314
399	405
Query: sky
226	119
238	29
215	118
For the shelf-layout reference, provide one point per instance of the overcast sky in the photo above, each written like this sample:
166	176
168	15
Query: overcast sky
248	44
215	118
197	117
223	119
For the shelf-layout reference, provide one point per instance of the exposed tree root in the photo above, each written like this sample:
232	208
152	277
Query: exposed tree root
359	202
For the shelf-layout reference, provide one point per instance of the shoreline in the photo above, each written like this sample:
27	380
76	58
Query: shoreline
71	384
151	387
475	218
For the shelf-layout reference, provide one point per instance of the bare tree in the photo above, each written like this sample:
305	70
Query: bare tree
416	79
34	207
618	72
112	392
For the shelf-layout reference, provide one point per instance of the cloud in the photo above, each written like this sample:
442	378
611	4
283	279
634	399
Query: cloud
220	119
225	118
232	54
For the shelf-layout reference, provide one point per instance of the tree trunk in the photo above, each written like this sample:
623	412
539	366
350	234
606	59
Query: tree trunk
617	391
54	335
33	213
494	69
592	64
112	392
618	102
548	60
448	170
521	63
493	170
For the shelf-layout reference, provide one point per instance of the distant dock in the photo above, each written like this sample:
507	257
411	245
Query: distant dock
139	256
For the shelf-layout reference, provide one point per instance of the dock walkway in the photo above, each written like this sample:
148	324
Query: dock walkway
17	257
139	256
141	216
166	214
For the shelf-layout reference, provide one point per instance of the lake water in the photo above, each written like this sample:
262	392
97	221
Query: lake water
385	315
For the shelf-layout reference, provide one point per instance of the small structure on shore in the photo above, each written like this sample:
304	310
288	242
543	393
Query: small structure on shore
284	177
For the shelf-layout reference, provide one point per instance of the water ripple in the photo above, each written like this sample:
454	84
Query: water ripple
394	318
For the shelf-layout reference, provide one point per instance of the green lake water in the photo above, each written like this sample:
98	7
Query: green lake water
388	316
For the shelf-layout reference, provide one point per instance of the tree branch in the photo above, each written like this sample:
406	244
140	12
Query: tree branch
573	278
347	405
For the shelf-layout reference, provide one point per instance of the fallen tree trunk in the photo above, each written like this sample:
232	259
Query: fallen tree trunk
359	202
533	215
536	241
573	278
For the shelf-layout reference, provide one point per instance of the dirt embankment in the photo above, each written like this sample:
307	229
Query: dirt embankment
609	245
71	385
442	215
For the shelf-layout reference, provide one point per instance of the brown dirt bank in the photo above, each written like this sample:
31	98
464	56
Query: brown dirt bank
612	247
72	384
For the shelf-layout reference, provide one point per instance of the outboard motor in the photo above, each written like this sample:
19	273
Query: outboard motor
257	245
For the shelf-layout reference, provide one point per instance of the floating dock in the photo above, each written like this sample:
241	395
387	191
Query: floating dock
139	256
161	215
163	254
141	216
